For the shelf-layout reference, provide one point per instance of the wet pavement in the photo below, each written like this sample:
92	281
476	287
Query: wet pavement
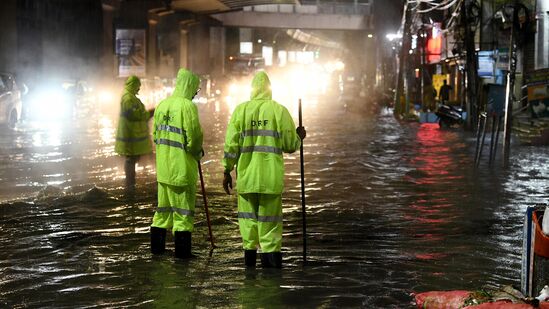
393	208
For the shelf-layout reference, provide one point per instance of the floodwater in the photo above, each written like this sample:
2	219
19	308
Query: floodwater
393	208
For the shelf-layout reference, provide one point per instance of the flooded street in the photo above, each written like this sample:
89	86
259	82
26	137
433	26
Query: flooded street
393	208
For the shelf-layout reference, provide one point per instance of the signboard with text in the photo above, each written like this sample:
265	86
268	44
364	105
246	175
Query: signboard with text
538	92
130	49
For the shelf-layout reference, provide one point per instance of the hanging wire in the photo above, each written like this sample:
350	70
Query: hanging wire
433	5
451	22
440	6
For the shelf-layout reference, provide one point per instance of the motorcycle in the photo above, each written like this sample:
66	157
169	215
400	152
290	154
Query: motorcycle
449	115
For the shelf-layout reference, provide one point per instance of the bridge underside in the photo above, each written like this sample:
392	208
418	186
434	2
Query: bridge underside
252	19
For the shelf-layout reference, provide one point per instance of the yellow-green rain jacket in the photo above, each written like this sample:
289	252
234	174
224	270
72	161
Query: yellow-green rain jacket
132	135
259	131
177	134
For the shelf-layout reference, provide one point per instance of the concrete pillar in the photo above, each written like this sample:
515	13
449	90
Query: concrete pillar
8	35
108	62
152	50
217	50
198	57
183	47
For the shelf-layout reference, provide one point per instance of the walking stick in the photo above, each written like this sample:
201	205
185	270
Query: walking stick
303	190
205	204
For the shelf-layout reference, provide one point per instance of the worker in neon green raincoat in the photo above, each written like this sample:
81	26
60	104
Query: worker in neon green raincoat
132	135
259	131
178	138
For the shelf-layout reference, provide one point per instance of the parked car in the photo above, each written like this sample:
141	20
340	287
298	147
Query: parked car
10	100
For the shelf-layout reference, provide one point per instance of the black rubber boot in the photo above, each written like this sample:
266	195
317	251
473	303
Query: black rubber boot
271	260
158	240
129	169
250	257
182	242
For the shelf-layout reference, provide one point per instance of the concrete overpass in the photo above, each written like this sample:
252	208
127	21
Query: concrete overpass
341	15
290	16
211	18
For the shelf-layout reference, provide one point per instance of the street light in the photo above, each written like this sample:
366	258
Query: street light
393	36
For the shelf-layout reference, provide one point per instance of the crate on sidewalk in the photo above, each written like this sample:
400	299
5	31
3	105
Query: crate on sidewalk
535	253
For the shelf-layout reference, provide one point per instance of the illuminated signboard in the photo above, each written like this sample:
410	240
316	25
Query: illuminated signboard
434	44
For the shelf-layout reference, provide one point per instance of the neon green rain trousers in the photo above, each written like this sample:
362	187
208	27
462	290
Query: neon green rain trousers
175	208
132	135
178	138
259	131
260	221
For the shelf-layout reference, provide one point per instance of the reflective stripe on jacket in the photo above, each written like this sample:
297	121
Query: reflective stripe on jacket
132	135
259	131
177	134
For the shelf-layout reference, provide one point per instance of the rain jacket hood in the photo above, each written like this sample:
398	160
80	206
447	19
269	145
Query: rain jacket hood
261	87
132	84
186	84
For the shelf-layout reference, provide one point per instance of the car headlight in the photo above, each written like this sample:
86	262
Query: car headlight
50	104
55	98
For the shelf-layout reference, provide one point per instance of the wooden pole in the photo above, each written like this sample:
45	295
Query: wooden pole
509	94
304	217
205	204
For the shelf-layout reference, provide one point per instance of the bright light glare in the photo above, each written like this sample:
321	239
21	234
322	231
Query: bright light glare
49	135
168	91
332	66
289	84
201	100
238	92
393	36
52	104
267	52
106	130
233	88
305	81
305	57
246	47
282	58
105	97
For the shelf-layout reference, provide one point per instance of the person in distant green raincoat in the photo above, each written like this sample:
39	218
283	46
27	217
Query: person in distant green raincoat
132	135
259	131
178	137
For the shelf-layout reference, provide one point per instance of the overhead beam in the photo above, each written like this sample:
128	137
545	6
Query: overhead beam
254	19
198	6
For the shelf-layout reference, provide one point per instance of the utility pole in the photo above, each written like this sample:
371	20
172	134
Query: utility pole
471	64
421	42
509	95
402	58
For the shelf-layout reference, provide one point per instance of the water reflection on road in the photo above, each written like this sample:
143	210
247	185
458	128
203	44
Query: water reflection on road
393	208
